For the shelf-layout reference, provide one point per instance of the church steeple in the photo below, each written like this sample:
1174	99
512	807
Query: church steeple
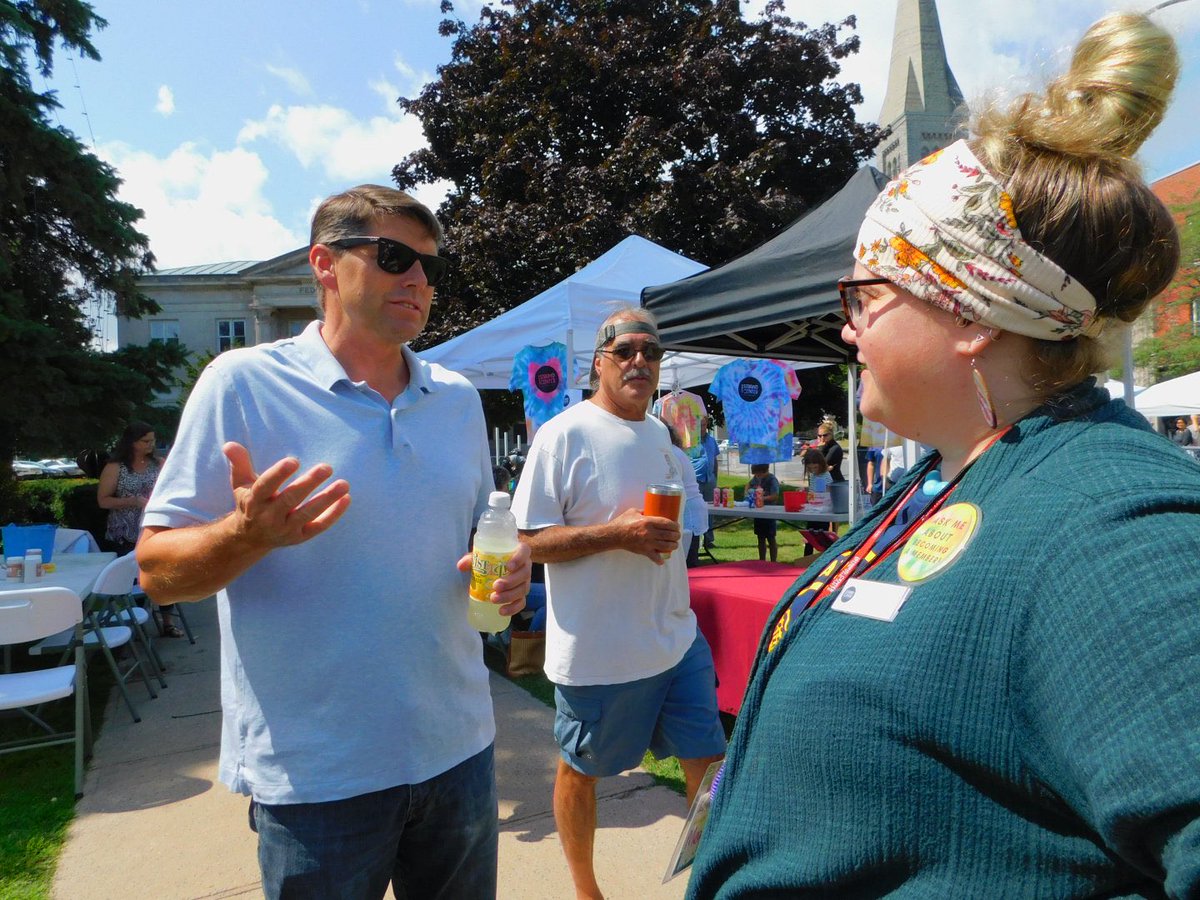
923	105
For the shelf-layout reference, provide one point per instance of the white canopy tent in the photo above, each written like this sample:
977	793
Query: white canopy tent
1116	389
1177	397
570	312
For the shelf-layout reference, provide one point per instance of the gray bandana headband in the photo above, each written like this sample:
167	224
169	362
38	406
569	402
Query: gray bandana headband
630	326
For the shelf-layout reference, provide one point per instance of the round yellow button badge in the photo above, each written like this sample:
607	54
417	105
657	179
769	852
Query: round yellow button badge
938	542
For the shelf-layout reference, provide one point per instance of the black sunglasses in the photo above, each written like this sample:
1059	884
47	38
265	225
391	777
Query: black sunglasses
396	258
626	352
852	300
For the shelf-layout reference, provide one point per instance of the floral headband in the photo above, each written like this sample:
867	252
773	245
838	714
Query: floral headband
944	230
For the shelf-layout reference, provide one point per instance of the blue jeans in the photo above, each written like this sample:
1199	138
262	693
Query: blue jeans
431	840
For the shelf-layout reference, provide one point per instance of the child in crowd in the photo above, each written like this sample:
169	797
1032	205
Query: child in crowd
817	470
764	529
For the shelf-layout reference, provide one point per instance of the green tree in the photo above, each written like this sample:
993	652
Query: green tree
64	237
565	125
1175	350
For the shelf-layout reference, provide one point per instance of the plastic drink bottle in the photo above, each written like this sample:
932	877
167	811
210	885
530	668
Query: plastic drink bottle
495	541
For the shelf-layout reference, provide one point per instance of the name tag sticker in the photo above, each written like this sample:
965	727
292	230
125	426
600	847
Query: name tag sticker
871	599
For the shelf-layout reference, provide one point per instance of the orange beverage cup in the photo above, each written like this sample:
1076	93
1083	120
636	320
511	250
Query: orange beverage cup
664	500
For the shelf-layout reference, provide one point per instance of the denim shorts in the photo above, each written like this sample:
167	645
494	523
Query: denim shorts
604	729
436	839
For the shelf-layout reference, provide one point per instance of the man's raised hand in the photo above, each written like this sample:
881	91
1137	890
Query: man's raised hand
271	515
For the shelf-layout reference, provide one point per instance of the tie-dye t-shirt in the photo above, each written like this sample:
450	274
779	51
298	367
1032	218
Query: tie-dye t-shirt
683	412
757	396
752	392
540	373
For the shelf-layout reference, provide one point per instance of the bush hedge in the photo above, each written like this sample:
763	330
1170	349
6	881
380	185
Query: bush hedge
69	502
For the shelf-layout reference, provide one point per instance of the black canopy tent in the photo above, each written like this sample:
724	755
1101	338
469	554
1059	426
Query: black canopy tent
779	300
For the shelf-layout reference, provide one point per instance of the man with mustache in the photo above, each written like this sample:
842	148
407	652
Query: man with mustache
630	668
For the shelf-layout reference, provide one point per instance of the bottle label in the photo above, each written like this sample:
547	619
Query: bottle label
485	569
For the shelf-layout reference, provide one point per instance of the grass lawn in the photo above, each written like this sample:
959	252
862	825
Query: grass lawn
37	791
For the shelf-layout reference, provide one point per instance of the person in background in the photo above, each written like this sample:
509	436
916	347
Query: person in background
828	445
695	510
874	475
765	529
630	668
708	488
1194	428
126	482
1182	435
987	687
334	705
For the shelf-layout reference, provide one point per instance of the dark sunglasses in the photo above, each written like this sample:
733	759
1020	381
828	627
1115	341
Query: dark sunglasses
626	352
396	258
852	299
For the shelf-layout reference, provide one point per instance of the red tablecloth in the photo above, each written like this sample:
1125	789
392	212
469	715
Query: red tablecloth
732	602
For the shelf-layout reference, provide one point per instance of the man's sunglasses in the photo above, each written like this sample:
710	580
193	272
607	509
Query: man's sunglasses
396	258
852	298
626	352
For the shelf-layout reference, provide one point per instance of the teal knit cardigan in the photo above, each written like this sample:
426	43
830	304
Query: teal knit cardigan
1028	726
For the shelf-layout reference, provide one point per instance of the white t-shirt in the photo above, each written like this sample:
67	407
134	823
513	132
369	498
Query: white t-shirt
612	617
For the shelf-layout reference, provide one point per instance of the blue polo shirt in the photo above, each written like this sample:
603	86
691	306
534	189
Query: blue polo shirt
347	664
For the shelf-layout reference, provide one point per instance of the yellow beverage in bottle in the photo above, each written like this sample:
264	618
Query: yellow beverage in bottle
495	542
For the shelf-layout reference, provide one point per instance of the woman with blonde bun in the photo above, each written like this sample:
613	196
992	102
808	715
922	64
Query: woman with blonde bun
988	687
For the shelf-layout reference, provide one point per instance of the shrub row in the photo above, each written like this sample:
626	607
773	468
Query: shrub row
69	502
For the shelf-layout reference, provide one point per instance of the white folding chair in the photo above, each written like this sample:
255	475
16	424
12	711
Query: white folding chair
105	638
30	615
74	540
112	598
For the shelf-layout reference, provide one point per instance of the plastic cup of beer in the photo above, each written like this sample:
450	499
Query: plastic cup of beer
664	500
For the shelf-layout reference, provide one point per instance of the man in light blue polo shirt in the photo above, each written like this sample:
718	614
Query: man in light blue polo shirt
353	690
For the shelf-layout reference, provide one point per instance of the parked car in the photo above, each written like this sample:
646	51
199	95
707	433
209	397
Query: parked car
61	468
27	468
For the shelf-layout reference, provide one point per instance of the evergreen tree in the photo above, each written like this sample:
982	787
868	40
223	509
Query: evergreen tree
565	125
64	237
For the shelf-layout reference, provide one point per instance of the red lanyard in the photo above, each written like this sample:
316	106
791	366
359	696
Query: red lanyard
862	559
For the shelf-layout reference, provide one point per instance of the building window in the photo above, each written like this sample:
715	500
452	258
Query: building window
1195	316
230	333
165	330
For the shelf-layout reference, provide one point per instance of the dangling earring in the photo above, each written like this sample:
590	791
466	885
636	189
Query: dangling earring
984	396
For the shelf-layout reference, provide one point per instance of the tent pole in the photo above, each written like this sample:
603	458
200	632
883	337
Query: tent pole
572	374
852	429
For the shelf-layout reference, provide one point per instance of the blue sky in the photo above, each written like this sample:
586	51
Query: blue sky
230	121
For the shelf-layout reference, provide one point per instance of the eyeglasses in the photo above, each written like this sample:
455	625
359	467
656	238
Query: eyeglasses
396	258
852	299
626	352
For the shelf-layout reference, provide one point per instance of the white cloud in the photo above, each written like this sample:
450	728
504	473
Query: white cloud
166	101
201	207
1010	47
293	78
345	148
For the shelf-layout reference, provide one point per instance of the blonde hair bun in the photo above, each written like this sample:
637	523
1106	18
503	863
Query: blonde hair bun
1108	103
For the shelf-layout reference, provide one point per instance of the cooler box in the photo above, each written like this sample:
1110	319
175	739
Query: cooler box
793	501
19	538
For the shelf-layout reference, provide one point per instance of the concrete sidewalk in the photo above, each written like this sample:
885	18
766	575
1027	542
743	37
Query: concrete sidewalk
154	821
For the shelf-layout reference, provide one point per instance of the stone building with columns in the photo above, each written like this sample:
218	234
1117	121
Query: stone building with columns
215	307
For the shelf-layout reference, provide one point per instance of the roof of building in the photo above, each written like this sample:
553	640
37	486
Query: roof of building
225	268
